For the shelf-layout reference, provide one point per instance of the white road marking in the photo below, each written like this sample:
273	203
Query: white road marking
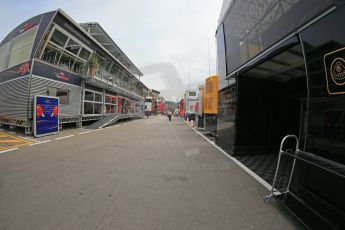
245	168
84	132
59	138
96	130
45	141
40	142
8	150
116	125
24	137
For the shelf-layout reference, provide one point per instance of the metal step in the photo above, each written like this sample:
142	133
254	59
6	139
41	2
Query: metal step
111	119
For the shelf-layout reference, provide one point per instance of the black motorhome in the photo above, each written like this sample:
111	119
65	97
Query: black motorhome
50	54
281	68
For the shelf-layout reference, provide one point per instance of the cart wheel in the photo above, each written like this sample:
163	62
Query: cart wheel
268	199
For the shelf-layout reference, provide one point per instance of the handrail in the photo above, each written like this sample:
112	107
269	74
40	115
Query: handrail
112	118
273	189
118	88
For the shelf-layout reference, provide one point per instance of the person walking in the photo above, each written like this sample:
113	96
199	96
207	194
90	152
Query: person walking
169	115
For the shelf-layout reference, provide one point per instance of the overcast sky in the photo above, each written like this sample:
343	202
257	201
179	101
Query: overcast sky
174	32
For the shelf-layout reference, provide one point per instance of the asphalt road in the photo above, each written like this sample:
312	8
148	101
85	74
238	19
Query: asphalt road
149	174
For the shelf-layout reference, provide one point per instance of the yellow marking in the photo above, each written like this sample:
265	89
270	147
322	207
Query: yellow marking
17	138
11	147
9	141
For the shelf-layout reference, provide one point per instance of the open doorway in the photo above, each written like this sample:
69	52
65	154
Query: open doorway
271	102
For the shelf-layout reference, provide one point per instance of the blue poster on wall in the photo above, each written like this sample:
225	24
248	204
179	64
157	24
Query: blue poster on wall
46	115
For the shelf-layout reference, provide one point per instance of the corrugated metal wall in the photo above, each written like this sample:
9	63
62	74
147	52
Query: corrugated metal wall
13	98
39	86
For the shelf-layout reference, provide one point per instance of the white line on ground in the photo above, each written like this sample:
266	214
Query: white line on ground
37	143
40	142
27	138
8	150
245	168
59	138
24	137
96	130
45	141
84	132
116	125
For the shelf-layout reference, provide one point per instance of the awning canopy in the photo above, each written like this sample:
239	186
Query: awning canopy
97	32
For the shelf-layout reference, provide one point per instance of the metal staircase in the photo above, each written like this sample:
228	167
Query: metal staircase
111	119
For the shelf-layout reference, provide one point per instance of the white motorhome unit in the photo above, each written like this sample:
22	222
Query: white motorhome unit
191	104
148	105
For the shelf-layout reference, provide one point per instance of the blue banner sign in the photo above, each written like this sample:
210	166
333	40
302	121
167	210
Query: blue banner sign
46	115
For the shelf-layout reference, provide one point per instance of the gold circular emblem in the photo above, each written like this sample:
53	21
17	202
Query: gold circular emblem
337	71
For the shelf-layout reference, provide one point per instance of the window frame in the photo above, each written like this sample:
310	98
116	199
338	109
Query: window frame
9	44
64	50
111	103
93	102
56	92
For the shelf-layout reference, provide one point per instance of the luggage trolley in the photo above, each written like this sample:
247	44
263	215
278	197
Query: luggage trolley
309	158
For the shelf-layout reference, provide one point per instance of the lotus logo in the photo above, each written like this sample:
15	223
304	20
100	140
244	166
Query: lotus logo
334	63
338	71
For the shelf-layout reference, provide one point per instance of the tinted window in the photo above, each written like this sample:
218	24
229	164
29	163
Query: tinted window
62	94
97	108
66	61
73	47
251	27
51	54
326	131
88	96
98	97
221	61
59	38
84	54
270	97
88	108
226	117
18	50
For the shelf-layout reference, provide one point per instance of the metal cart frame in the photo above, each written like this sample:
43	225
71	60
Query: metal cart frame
309	158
